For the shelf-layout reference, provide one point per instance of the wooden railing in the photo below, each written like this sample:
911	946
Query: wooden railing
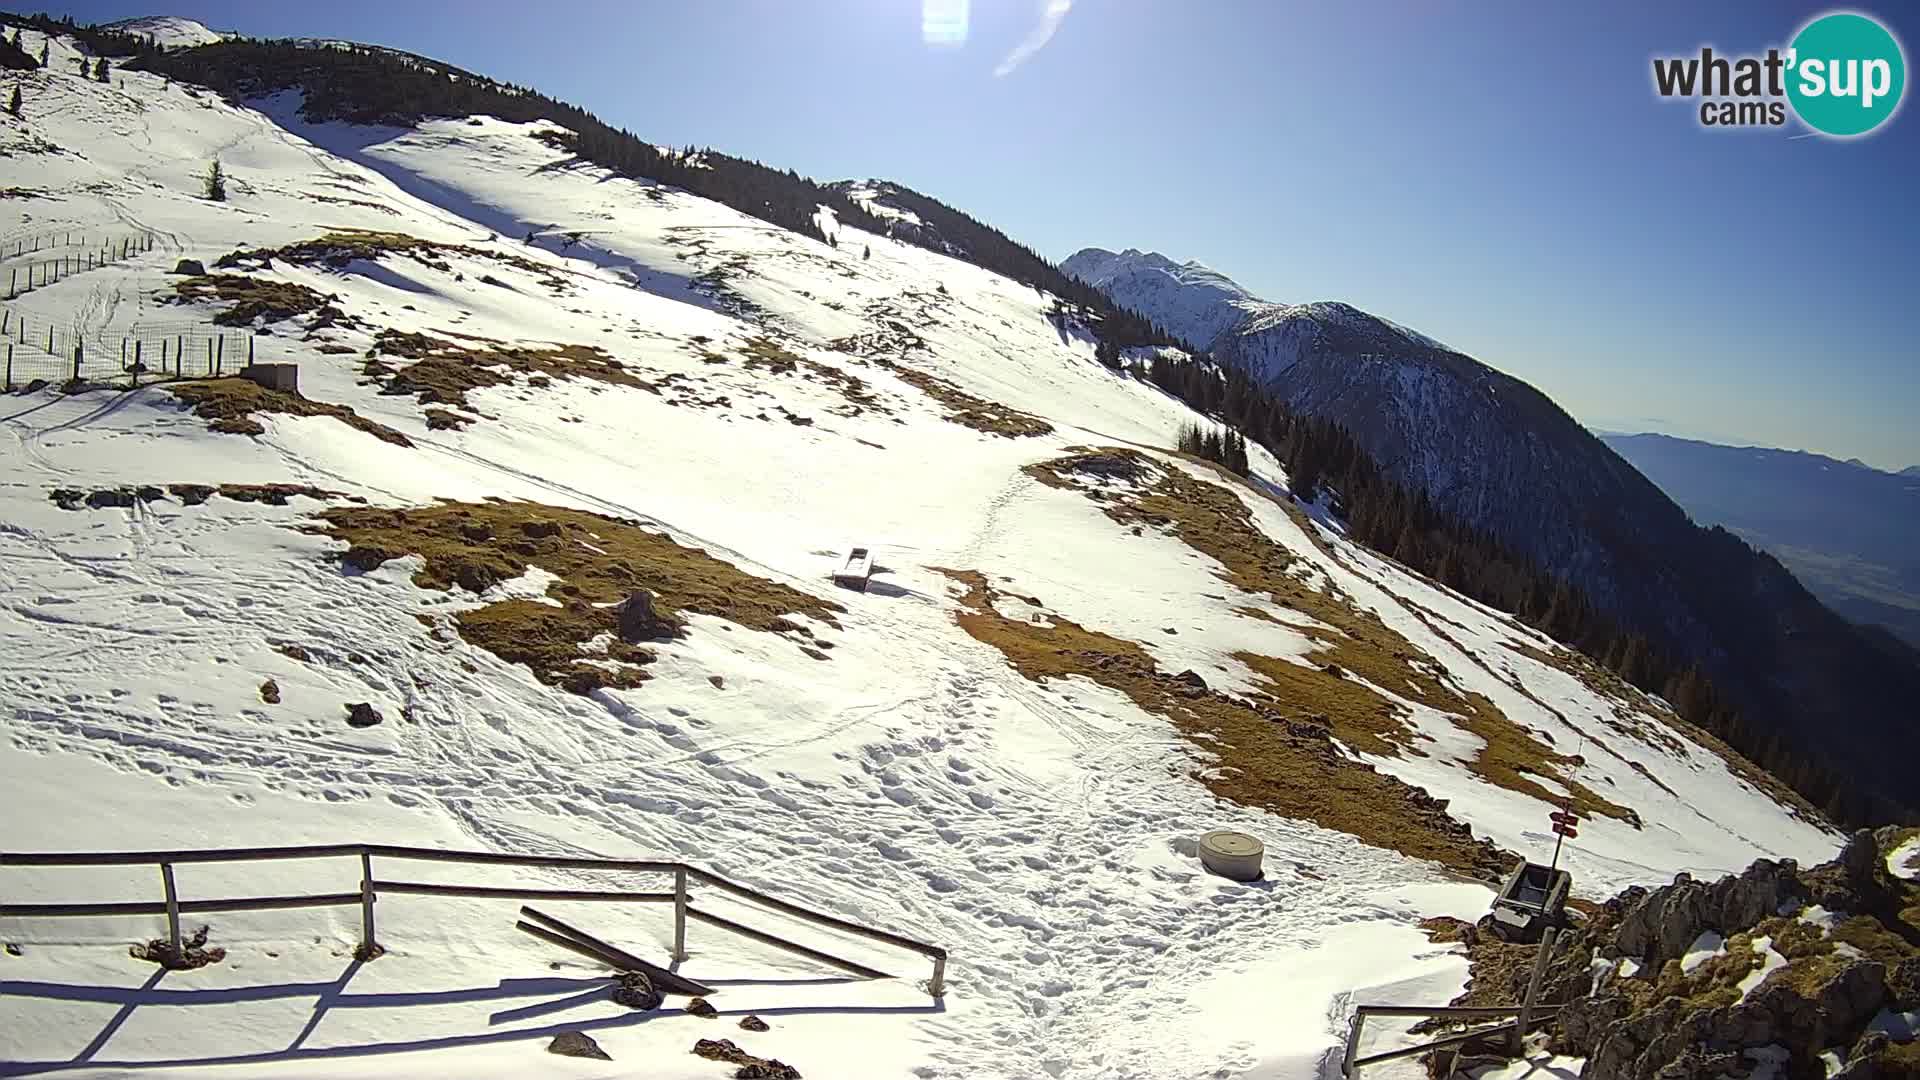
172	906
1524	1017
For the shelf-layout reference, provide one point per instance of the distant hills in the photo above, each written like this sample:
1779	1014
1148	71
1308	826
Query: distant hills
1845	529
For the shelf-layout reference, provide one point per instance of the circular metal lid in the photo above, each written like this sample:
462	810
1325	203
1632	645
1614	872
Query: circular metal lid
1227	842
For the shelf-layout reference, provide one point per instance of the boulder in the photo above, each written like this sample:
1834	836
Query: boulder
640	622
577	1044
636	991
702	1008
190	266
754	1023
363	715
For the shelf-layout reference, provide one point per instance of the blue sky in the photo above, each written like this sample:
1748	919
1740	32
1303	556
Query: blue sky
1497	175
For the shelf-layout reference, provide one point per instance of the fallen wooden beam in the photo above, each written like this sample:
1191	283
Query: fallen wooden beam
765	938
570	937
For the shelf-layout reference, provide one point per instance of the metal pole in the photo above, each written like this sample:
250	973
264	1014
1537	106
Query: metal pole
1533	987
1353	1041
173	911
367	945
680	914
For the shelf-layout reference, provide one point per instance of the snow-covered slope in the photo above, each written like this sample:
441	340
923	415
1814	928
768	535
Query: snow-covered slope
989	749
1495	453
169	31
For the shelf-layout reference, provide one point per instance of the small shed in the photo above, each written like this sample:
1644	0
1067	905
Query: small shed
855	572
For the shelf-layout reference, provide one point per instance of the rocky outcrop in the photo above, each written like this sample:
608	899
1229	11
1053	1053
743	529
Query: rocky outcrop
1664	922
1665	1024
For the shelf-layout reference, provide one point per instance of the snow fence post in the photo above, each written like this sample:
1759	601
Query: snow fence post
367	945
937	986
1533	989
76	361
680	913
9	367
173	912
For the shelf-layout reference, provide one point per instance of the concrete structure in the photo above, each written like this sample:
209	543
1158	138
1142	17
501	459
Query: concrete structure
282	377
1232	854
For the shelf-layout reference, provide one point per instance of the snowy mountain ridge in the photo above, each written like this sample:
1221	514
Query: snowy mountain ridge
1469	437
529	389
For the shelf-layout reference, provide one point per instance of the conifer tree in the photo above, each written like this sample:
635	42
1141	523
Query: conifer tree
216	182
100	70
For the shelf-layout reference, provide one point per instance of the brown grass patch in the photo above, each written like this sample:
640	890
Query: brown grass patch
1290	768
1214	521
969	411
231	404
339	247
256	299
763	354
600	561
444	370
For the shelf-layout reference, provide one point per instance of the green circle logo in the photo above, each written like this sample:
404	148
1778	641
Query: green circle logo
1846	74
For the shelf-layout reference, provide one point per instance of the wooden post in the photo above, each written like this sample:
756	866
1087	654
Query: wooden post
12	273
220	352
9	367
249	351
937	986
136	362
76	361
173	909
367	945
680	914
1533	988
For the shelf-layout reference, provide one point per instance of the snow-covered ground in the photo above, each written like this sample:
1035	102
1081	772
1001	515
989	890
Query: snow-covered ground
915	781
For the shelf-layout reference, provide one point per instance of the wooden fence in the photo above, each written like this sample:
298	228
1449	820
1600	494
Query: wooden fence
173	906
1516	1021
148	352
56	257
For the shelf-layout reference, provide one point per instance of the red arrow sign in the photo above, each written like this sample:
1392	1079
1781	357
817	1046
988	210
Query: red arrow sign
1567	831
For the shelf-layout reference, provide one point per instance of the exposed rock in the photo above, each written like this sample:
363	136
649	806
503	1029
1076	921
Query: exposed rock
1903	985
640	622
719	682
636	991
754	1023
270	692
193	952
192	267
750	1067
577	1044
363	715
702	1008
1663	923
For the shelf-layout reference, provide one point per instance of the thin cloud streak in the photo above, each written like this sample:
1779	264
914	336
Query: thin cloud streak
1050	20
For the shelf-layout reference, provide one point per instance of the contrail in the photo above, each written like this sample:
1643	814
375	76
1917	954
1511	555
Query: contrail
1050	20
